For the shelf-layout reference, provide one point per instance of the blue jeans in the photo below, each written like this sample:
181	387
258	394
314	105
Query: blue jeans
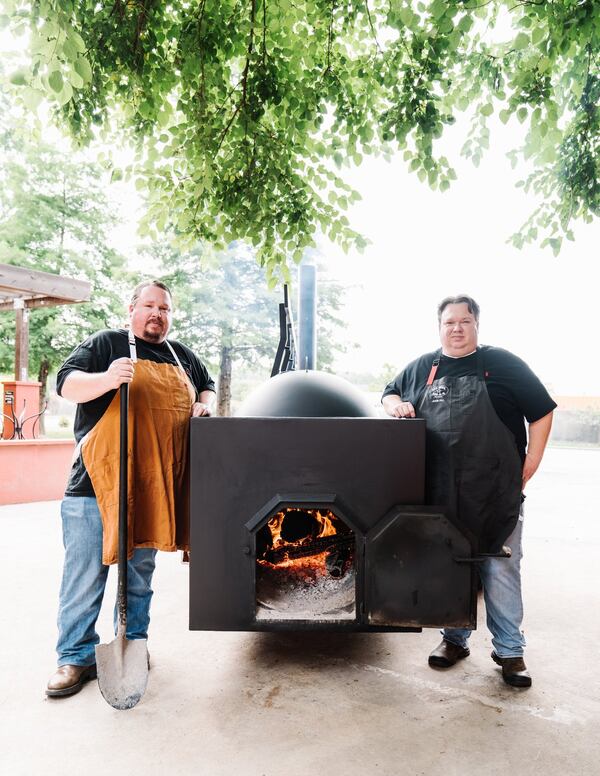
501	581
84	580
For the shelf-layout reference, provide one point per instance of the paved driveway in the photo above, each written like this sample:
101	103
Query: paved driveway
229	704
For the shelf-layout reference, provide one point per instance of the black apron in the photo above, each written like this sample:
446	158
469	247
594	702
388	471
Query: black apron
473	467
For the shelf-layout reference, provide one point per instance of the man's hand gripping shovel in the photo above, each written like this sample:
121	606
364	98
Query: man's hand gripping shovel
123	664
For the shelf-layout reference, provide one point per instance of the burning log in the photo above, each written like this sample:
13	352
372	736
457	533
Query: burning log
337	561
305	565
322	544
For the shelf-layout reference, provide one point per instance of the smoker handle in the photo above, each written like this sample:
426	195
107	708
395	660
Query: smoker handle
505	552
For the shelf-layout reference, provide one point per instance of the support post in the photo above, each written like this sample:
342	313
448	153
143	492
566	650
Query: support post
21	341
307	316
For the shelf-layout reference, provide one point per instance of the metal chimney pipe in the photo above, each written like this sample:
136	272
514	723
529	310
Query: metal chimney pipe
307	316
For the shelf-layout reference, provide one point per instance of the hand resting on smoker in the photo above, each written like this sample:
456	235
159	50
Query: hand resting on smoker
397	408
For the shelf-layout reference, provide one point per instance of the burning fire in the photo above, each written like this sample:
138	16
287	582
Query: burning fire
310	566
276	524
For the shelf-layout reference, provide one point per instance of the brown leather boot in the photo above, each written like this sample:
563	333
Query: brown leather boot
447	654
68	680
514	670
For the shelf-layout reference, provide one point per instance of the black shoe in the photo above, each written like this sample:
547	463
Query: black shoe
69	680
446	654
514	670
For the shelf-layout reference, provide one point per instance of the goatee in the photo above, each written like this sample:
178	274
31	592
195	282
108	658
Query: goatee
153	336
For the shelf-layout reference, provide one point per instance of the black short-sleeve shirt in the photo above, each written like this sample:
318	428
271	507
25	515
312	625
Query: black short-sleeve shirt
515	391
96	354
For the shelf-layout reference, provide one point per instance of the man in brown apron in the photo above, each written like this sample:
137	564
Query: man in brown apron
168	384
475	400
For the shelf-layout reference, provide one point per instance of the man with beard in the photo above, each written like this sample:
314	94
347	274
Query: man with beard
168	385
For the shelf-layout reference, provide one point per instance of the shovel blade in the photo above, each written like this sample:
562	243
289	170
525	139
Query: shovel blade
122	669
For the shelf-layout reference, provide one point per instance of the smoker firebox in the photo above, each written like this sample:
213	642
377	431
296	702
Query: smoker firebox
318	523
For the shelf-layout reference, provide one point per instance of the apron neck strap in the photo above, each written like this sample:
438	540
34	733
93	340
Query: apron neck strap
436	362
174	354
133	355
480	364
185	374
132	348
434	368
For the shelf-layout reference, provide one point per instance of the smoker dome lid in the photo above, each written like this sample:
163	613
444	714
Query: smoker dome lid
307	394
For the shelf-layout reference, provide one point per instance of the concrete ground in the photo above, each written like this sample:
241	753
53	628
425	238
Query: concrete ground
224	704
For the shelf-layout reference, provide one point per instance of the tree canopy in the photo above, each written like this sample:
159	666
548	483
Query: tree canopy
225	313
246	112
54	217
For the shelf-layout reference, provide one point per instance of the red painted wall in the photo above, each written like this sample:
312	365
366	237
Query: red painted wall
34	470
21	398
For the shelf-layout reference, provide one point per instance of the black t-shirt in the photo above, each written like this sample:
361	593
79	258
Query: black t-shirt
96	354
514	390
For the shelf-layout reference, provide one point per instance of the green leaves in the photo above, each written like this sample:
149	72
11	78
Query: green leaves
538	34
55	81
243	112
75	40
65	94
19	78
83	69
438	8
521	41
409	18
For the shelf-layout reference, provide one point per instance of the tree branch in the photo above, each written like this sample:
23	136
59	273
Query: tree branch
249	52
264	40
372	28
329	38
244	80
139	26
202	63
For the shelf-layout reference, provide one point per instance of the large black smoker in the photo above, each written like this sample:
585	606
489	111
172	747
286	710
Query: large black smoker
307	513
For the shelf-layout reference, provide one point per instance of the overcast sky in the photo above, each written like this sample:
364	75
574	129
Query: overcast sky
426	245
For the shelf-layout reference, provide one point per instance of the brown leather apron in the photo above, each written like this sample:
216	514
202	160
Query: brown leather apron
160	401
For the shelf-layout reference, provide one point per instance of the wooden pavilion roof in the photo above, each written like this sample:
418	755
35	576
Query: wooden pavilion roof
39	289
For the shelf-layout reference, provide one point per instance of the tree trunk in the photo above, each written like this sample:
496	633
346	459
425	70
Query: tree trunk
43	379
224	389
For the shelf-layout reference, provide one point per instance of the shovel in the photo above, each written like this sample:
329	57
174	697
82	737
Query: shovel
122	665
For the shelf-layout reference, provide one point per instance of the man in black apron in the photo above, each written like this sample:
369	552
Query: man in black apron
476	400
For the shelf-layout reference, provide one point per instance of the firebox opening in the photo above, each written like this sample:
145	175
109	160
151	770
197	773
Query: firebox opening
305	567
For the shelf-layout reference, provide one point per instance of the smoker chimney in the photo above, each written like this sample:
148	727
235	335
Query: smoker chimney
307	315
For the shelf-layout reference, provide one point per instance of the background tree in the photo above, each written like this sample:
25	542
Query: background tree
224	311
243	110
54	217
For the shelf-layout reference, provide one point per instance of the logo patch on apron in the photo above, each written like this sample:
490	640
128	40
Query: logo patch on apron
439	393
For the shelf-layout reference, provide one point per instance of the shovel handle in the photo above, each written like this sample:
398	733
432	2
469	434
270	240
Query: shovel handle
123	491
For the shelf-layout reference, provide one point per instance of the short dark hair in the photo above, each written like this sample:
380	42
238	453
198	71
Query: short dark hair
144	284
462	299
